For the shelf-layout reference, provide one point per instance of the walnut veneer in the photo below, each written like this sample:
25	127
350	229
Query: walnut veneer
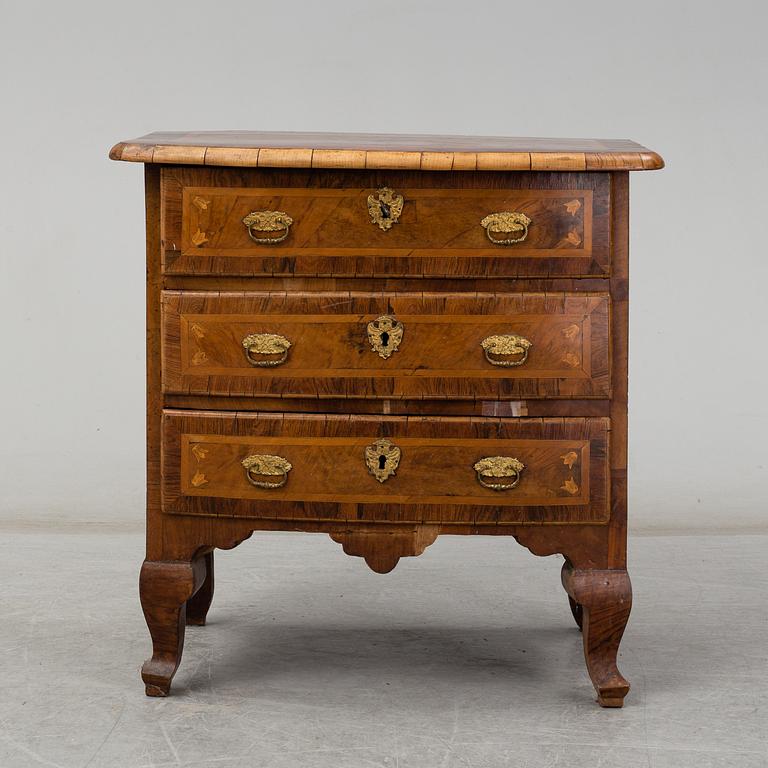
386	338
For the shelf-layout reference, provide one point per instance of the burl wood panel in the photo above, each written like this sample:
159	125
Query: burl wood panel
564	481
440	355
438	234
330	221
367	150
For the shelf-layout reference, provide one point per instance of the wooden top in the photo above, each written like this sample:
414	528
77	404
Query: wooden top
388	151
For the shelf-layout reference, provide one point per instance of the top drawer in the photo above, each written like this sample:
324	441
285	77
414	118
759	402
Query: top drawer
523	225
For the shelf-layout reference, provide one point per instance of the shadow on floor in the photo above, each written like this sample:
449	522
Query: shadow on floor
266	654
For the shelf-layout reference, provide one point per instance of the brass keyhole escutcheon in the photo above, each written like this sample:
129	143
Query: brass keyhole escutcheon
382	459
385	207
385	334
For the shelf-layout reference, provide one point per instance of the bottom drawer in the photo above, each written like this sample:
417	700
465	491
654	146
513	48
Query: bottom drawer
397	469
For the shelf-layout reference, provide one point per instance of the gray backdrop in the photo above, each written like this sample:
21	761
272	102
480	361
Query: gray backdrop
687	79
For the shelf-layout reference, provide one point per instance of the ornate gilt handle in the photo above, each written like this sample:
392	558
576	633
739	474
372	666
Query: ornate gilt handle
266	344
506	344
499	467
266	465
506	222
268	221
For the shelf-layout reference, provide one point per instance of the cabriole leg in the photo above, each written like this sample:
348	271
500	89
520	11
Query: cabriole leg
605	598
165	588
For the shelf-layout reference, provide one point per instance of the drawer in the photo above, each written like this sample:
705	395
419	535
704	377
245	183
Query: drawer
390	229
379	345
390	468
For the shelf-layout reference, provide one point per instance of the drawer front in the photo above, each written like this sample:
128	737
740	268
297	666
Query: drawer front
386	345
391	468
389	230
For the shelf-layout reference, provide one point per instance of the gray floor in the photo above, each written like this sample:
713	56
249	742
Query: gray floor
466	656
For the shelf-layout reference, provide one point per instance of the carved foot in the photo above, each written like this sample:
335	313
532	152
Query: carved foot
605	598
200	602
165	588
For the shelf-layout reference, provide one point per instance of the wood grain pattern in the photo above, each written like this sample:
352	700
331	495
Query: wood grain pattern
440	355
187	537
362	284
413	152
564	480
164	589
439	232
388	407
383	550
604	601
620	370
433	221
155	517
433	397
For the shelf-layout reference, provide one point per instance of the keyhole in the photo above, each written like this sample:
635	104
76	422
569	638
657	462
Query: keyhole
382	462
384	339
385	210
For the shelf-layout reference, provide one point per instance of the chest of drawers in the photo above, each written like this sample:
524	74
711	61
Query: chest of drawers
386	338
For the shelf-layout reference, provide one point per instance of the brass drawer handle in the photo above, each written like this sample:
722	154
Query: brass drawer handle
266	344
385	334
385	207
506	221
506	344
499	466
267	465
268	221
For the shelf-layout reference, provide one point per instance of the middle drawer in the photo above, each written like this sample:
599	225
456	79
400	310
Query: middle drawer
386	345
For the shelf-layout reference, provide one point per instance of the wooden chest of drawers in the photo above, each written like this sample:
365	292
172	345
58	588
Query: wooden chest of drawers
386	338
